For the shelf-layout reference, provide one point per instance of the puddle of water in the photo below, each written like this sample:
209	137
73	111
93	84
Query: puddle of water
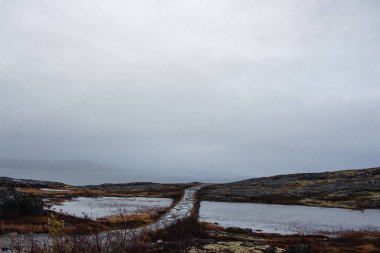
288	219
53	190
107	206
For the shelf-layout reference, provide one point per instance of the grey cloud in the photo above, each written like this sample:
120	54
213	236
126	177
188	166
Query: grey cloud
247	88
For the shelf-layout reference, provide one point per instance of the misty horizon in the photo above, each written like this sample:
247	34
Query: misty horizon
215	90
83	172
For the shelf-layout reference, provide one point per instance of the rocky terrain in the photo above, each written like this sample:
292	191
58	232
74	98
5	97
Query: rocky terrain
193	237
213	239
355	189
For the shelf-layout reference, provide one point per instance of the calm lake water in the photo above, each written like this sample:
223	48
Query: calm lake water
107	206
288	219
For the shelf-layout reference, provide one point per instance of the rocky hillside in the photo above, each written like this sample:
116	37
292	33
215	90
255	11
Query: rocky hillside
356	189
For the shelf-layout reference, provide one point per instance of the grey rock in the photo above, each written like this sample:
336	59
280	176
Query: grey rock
247	244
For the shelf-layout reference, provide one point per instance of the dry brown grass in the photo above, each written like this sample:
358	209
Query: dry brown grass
8	227
69	192
57	197
358	234
368	247
210	226
24	224
37	224
131	217
121	241
131	220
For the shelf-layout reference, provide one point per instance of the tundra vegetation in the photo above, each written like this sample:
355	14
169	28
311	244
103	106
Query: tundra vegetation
190	236
71	234
22	205
13	203
354	189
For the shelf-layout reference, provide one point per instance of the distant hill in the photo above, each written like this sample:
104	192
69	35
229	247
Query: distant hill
11	182
68	165
74	172
355	189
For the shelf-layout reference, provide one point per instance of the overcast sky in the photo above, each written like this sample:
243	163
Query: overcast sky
248	88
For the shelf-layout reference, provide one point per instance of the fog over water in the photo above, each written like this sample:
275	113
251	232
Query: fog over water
189	90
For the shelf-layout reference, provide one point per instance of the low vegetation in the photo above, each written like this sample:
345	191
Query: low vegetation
354	189
239	240
190	236
142	189
349	189
21	204
13	204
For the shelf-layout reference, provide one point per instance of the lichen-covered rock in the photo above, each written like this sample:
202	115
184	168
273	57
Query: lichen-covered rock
234	247
13	203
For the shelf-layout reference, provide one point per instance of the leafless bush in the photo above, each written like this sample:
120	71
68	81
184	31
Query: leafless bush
120	241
